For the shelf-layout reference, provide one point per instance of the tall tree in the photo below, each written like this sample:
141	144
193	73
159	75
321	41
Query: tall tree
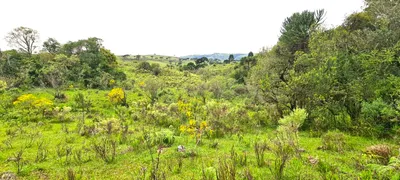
274	74
23	38
202	62
231	58
250	60
251	54
52	46
297	29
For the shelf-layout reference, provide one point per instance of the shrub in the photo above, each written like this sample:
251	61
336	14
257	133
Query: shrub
117	96
334	141
189	66
379	109
159	138
240	89
259	149
153	86
389	171
42	152
226	169
83	104
105	148
60	96
62	113
42	103
128	85
144	66
285	145
198	130
110	126
29	101
155	68
209	173
18	160
25	100
3	86
380	152
161	118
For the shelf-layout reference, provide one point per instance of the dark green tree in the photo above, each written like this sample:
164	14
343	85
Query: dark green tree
231	58
51	46
202	62
250	54
296	31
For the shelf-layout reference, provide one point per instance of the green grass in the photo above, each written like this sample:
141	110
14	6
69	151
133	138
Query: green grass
129	163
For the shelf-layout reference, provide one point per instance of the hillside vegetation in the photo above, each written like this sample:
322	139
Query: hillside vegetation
216	56
320	104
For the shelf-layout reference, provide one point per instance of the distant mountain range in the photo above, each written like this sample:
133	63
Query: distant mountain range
219	56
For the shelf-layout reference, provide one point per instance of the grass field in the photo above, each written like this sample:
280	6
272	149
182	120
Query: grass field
141	140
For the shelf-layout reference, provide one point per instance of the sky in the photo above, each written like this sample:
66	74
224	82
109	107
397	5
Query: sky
167	27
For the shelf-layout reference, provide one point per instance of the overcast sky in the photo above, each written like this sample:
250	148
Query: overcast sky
168	27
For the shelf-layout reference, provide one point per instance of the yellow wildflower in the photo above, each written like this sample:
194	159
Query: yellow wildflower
188	114
211	132
192	123
203	125
182	128
142	84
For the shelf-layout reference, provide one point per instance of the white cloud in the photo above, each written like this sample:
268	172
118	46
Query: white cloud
173	27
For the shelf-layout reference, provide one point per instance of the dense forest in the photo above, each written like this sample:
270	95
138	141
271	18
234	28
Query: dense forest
323	103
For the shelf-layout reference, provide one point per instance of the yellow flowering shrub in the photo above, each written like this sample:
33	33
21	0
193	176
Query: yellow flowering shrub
185	109
42	103
196	129
30	101
25	100
117	96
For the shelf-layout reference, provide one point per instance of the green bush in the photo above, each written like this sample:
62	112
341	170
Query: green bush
389	171
334	141
3	86
144	66
240	89
156	69
105	148
285	145
163	137
381	152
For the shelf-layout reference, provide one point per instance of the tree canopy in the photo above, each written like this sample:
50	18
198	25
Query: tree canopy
346	77
23	38
85	62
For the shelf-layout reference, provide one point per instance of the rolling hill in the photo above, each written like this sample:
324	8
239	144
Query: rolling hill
219	56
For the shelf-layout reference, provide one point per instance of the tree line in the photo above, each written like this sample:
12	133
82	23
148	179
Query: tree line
83	63
347	77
